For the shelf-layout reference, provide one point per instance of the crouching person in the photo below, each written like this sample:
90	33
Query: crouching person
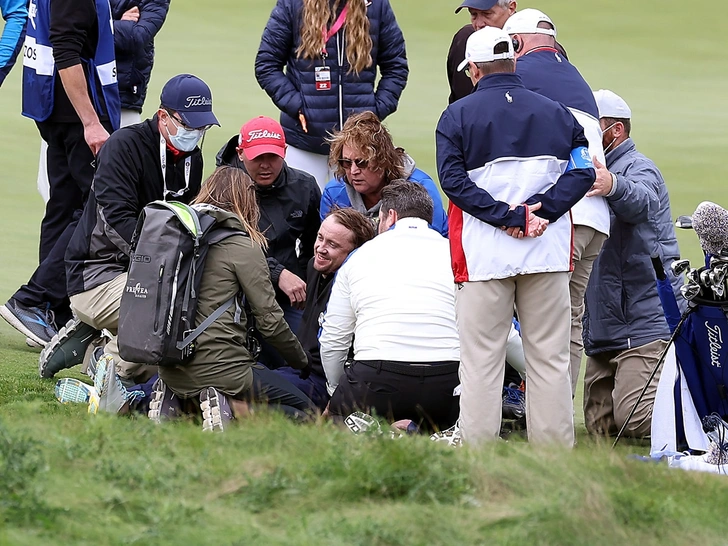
342	232
395	298
223	374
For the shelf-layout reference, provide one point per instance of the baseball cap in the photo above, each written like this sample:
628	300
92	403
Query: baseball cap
611	105
262	135
526	21
191	98
481	43
482	5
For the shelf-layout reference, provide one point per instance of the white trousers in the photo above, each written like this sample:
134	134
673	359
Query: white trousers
317	165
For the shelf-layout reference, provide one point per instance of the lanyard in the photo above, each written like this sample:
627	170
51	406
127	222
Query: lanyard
163	162
336	27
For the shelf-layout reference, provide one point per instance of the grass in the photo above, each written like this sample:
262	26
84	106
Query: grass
67	478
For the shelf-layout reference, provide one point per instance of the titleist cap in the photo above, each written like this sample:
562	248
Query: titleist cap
481	45
527	20
260	136
611	105
191	98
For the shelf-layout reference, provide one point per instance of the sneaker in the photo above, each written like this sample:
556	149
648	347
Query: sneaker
451	436
164	403
67	348
216	412
360	422
32	344
33	322
93	361
73	390
111	394
514	403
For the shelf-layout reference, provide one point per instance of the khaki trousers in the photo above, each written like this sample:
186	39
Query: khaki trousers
99	307
612	384
587	244
484	311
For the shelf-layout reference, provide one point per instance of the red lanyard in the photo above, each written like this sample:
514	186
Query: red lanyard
336	27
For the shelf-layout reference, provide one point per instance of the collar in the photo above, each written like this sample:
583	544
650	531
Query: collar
621	150
541	48
411	223
278	183
504	80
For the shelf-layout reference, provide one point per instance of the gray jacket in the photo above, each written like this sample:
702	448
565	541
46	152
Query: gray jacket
623	309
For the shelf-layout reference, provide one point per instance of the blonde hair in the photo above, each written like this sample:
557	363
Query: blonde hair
365	133
231	189
318	15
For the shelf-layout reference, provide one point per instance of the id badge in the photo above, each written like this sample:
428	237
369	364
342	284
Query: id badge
323	78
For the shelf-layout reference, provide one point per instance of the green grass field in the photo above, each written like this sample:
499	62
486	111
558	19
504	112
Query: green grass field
67	478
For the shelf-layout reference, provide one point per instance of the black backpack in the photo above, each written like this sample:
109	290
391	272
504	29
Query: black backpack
159	302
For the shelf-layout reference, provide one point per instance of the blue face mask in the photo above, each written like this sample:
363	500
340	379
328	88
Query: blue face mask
186	139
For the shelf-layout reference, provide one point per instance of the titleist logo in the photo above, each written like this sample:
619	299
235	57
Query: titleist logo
715	341
261	133
197	100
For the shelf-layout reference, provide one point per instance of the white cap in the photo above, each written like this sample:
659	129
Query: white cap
611	105
526	22
481	43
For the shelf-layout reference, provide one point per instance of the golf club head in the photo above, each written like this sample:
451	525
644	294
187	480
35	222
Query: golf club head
684	222
679	267
690	291
693	276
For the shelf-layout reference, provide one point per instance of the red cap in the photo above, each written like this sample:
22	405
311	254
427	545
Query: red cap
262	135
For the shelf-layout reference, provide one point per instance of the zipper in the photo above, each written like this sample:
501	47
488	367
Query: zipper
174	294
340	59
159	297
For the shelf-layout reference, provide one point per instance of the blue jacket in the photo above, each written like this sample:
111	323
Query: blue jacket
15	13
134	45
623	308
338	193
295	90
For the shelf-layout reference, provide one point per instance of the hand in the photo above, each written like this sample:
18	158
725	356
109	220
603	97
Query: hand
131	15
293	287
302	119
326	412
95	136
604	182
535	225
305	373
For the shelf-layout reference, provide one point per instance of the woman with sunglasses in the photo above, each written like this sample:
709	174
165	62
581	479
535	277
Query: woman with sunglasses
333	52
365	161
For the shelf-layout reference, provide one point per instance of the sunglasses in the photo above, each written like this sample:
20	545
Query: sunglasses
361	164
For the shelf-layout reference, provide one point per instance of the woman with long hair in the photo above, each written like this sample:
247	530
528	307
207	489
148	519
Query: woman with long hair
365	160
331	51
223	372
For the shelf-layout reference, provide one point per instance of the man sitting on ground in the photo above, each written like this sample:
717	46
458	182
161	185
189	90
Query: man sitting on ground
395	298
342	232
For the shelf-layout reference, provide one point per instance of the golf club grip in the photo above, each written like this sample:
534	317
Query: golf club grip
658	267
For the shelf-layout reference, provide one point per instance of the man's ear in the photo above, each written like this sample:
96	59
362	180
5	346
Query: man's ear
393	217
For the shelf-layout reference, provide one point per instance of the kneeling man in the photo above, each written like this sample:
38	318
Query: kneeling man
395	298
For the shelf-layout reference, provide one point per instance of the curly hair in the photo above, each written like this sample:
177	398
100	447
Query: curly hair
366	134
319	15
231	189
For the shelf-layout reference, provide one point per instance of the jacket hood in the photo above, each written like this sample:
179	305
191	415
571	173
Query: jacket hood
409	166
223	217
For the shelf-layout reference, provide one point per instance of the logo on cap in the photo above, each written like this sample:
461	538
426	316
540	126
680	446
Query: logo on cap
197	100
262	133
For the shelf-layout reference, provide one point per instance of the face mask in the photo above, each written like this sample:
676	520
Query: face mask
608	147
186	139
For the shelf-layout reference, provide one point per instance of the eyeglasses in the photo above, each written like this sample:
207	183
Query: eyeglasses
181	124
361	164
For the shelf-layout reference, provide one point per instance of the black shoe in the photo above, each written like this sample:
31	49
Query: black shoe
67	348
34	323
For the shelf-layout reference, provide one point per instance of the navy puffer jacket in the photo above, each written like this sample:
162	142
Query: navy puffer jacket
295	90
134	46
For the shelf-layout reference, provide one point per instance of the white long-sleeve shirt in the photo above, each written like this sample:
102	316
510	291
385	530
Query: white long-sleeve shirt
396	297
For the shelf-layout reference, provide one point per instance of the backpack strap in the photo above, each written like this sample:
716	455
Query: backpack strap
216	314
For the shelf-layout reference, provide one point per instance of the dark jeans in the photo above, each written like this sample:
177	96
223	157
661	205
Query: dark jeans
268	355
400	390
273	389
70	174
314	387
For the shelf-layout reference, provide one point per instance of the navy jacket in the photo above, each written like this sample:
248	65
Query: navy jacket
623	308
295	90
134	45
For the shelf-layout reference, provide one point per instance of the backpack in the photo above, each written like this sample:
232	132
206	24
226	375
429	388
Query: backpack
159	302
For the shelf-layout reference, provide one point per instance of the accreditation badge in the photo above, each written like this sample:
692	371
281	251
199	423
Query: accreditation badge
323	78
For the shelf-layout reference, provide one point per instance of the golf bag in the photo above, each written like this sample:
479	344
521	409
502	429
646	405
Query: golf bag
159	303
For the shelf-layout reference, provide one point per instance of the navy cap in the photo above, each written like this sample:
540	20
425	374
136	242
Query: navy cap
482	5
191	98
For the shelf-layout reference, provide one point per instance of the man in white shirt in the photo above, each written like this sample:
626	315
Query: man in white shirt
395	298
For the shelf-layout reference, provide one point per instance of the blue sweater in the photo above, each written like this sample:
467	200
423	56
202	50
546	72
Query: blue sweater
15	13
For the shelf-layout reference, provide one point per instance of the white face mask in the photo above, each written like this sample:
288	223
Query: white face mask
186	139
607	148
